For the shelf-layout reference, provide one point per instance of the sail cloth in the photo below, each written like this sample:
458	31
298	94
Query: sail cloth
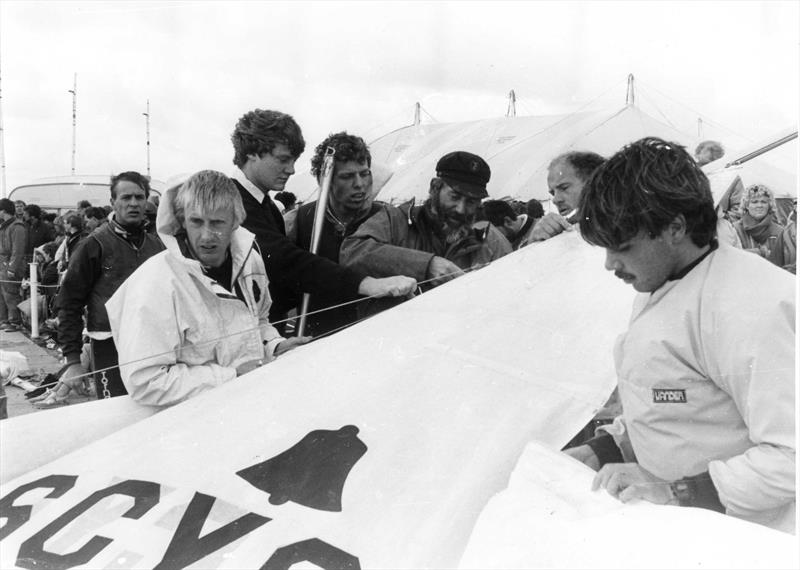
376	447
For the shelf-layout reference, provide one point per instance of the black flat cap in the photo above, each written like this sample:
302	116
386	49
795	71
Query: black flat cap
465	172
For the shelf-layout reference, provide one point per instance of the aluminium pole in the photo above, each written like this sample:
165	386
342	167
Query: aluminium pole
147	127
74	92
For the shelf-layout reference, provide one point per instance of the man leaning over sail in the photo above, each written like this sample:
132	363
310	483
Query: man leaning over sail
196	315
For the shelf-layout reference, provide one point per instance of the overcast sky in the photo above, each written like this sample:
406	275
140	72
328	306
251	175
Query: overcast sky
361	66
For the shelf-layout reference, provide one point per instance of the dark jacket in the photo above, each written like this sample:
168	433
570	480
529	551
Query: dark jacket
99	265
333	234
13	243
291	269
39	233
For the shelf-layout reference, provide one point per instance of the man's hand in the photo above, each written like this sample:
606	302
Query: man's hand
585	455
74	378
549	226
397	286
629	481
441	270
290	344
248	366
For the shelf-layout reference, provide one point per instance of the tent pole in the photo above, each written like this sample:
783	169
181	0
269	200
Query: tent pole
630	98
416	114
700	127
74	92
512	104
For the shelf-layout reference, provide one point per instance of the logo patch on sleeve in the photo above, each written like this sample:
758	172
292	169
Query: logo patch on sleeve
669	396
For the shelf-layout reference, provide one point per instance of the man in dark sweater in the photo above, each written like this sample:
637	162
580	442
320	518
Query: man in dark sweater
96	270
266	145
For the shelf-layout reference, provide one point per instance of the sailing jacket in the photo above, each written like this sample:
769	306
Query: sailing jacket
182	332
706	377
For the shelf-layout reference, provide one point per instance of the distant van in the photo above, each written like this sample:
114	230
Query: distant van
62	193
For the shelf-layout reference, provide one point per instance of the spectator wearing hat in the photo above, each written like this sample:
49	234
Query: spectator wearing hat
436	241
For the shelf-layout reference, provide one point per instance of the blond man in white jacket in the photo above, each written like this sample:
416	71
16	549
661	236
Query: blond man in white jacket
195	315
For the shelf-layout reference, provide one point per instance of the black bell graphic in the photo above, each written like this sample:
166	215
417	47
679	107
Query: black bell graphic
312	472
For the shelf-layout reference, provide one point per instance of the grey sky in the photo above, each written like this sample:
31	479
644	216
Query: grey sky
361	66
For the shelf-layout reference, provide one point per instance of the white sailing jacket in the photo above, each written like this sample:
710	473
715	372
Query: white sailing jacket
706	376
179	333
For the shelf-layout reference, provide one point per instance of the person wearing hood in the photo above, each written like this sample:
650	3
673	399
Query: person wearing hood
350	202
196	315
96	270
757	229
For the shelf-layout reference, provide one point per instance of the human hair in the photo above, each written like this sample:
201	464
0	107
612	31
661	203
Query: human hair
49	216
347	147
7	206
75	221
717	150
534	208
130	176
758	190
583	162
206	191
260	131
644	187
94	212
33	211
84	204
496	211
288	199
18	202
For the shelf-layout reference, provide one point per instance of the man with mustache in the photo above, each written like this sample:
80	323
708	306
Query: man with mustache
706	368
434	242
96	270
350	203
266	146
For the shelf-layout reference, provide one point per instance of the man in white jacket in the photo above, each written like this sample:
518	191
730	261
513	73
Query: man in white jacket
706	369
195	315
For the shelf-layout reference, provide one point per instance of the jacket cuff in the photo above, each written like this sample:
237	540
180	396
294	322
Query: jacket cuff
605	448
270	346
697	491
72	358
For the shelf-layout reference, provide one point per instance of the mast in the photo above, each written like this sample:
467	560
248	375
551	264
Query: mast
512	104
74	92
3	191
147	128
630	97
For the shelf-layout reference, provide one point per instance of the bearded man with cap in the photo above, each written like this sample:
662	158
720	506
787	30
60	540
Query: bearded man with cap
435	241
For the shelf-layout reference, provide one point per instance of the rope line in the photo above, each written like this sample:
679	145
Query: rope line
255	329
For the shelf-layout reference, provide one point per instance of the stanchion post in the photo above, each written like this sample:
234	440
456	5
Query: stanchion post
34	300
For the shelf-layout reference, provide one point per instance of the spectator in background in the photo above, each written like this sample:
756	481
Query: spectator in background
19	209
502	216
708	151
150	212
534	209
13	243
785	254
94	217
39	233
757	230
83	205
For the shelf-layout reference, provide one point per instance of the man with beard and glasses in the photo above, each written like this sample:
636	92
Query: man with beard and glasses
434	242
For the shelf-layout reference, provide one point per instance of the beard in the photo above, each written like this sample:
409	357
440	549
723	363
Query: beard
452	226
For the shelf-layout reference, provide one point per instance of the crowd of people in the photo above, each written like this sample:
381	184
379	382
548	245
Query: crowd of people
165	307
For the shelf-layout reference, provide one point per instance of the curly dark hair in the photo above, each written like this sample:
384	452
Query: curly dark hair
347	147
34	211
130	176
643	187
260	131
496	211
583	162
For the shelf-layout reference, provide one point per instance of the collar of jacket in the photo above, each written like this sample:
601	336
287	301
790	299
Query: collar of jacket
242	244
10	222
251	188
